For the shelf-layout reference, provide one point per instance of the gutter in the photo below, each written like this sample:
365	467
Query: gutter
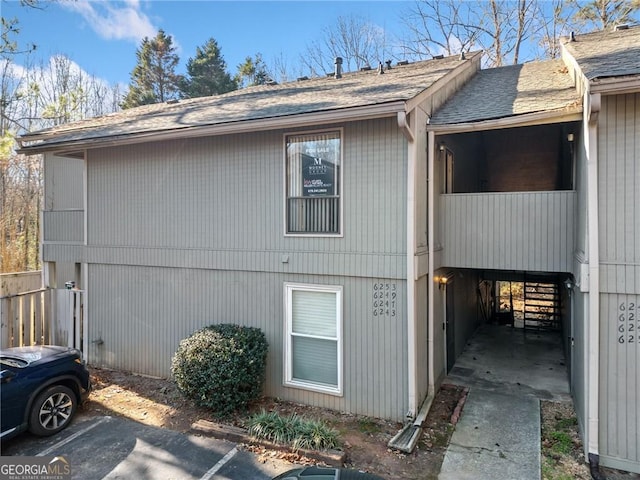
40	143
570	113
619	85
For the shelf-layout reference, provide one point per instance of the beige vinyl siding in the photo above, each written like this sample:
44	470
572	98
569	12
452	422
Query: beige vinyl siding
62	208
529	231
619	380
186	233
65	226
63	183
619	193
142	313
619	200
218	202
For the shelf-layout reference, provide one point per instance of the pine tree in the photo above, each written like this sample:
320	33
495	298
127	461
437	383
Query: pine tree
207	73
153	79
252	72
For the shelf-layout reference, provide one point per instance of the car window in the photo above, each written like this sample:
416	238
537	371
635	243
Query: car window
13	362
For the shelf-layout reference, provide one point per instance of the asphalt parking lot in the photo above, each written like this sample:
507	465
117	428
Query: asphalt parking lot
118	448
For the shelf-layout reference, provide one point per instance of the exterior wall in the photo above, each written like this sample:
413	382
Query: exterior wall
529	231
188	233
516	160
63	180
466	314
579	359
619	202
142	313
218	202
580	300
63	207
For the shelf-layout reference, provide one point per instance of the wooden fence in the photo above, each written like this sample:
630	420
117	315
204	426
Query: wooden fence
42	317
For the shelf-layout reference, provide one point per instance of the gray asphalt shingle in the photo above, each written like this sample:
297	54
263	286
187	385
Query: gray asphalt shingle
507	91
359	89
610	53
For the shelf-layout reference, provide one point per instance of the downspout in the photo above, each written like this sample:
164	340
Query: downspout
431	141
412	346
87	343
592	109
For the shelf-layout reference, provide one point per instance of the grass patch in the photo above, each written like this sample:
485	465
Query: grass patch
562	454
567	423
293	430
368	425
561	443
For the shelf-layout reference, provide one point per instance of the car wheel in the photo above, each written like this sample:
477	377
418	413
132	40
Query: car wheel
52	411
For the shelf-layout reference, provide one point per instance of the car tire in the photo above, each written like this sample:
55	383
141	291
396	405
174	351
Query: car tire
52	410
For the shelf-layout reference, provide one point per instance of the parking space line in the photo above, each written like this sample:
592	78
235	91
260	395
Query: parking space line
213	470
71	437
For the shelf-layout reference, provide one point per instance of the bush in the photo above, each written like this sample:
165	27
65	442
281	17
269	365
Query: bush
221	367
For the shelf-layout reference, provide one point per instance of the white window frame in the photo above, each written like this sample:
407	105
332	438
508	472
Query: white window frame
340	233
288	340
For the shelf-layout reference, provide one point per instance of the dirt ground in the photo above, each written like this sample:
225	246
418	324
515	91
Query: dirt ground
158	403
562	452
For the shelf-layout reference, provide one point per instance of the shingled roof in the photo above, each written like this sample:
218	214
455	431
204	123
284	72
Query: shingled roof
508	91
327	94
610	53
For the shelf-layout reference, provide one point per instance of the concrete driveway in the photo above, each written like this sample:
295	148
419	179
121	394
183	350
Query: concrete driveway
106	447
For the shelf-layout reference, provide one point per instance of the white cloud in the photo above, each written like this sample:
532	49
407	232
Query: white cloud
115	20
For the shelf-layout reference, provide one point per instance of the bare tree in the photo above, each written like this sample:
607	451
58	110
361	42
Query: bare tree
358	42
440	27
550	23
600	14
498	27
34	97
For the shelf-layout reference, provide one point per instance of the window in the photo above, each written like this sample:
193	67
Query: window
313	350
313	183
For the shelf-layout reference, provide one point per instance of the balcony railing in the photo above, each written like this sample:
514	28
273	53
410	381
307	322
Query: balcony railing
530	231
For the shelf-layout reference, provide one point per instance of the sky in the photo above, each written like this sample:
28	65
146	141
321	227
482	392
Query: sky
102	36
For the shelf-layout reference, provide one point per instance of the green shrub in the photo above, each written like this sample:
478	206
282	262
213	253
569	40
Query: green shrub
221	367
293	430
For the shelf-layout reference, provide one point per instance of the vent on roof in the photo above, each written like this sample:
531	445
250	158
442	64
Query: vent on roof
403	62
438	57
622	26
172	101
302	79
366	68
388	64
338	69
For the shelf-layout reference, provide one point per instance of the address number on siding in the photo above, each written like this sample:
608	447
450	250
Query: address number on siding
384	298
628	322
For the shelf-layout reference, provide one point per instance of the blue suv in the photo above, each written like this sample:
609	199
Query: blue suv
41	387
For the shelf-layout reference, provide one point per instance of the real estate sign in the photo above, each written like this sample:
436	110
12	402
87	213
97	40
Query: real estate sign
318	177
